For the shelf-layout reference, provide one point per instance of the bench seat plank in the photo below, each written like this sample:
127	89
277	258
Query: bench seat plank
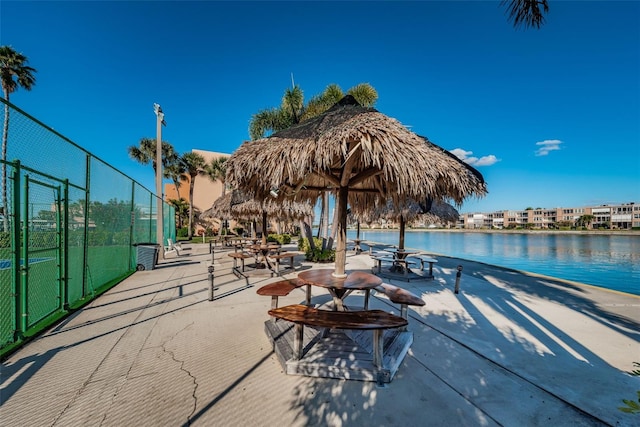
367	320
399	295
280	289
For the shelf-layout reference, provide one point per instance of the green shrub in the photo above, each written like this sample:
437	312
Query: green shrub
283	239
303	244
318	255
182	232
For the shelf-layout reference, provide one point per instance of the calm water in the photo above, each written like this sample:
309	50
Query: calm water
602	260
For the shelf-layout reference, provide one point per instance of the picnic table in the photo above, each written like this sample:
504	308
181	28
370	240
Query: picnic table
400	261
340	287
262	254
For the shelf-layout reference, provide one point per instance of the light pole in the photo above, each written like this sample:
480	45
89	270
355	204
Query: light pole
159	217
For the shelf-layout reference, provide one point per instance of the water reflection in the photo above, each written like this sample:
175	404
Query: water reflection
602	260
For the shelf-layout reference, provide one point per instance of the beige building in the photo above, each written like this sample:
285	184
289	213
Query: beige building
205	191
615	217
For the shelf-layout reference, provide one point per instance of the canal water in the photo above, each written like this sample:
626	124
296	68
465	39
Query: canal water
609	261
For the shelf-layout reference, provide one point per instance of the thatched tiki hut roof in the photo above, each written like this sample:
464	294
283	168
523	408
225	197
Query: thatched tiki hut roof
357	153
221	208
239	205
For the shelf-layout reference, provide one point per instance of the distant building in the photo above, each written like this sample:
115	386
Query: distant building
615	217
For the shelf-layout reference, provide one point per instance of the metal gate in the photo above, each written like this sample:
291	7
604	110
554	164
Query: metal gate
40	265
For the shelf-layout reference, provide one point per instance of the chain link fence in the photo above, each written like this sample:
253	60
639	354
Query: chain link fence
69	223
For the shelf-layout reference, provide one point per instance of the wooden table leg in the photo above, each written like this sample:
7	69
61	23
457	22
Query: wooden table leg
378	344
298	341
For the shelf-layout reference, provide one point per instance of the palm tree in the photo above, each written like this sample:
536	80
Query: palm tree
182	208
274	119
527	13
175	171
292	109
13	65
145	153
216	170
193	163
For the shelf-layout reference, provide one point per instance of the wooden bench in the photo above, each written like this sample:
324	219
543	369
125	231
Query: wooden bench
400	296
375	320
424	260
278	289
239	256
283	255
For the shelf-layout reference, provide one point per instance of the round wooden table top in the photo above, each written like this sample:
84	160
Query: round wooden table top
324	278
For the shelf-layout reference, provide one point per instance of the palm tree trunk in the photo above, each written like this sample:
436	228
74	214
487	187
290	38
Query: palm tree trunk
325	221
341	231
191	185
306	229
401	242
5	137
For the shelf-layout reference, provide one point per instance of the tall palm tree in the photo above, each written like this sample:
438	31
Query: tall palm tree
216	170
527	13
14	73
175	171
292	109
274	119
193	163
145	153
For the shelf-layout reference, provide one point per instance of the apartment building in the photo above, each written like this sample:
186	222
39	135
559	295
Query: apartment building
616	217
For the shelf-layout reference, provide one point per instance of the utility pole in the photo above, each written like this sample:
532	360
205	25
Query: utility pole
160	199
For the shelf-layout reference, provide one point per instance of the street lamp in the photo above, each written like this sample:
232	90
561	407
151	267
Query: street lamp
159	217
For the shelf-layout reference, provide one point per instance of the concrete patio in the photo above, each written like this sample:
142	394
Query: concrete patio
510	349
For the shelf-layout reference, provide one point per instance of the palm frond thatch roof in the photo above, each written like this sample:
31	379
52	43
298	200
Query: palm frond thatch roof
238	205
408	210
279	209
357	153
385	160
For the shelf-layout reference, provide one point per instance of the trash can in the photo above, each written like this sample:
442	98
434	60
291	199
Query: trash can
146	255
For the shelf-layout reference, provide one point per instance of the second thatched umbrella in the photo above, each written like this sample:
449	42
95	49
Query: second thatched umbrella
238	205
282	209
407	211
357	153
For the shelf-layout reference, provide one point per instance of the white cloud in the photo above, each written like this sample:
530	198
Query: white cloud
468	158
547	146
486	160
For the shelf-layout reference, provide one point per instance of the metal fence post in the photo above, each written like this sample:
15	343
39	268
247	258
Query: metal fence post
210	268
458	274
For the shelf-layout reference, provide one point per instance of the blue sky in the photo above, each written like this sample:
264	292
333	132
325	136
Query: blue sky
550	117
